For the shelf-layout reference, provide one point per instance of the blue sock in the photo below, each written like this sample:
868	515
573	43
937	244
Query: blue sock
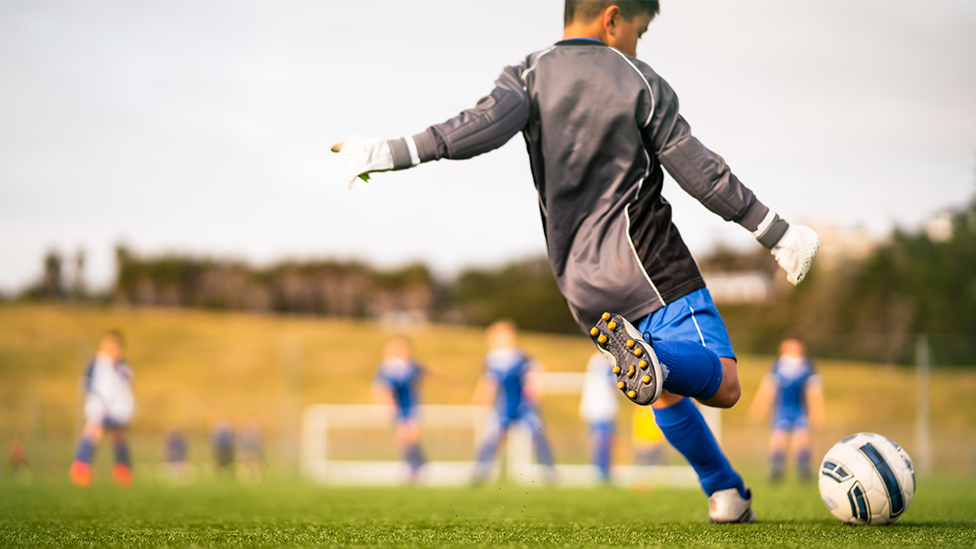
122	453
803	463
542	452
686	430
693	370
85	451
414	457
777	465
601	451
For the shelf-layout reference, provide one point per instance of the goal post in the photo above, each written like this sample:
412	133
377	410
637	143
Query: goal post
319	419
320	464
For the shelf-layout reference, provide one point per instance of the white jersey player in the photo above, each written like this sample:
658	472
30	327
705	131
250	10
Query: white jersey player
109	405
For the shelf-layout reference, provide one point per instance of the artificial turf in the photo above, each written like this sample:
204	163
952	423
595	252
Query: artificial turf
294	514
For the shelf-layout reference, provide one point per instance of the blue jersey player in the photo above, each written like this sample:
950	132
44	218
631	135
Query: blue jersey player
512	382
395	385
793	390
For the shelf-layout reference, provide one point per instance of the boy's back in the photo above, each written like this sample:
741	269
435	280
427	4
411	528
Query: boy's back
600	128
598	124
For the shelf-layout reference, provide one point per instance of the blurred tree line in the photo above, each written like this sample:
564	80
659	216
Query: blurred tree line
867	309
875	308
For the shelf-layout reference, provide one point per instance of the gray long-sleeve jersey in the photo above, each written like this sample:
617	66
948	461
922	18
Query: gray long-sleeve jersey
599	125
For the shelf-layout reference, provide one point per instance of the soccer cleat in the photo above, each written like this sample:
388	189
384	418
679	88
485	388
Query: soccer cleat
727	506
626	350
122	475
80	473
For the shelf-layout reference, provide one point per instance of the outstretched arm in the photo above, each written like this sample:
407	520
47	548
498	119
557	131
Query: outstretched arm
484	392
489	125
705	176
763	400
535	382
815	401
381	393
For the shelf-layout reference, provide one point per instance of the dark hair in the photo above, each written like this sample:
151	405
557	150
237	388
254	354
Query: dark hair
587	10
116	335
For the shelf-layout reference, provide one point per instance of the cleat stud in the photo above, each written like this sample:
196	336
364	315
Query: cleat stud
630	343
602	338
606	316
642	364
612	325
637	352
620	385
632	394
646	379
632	371
616	369
594	331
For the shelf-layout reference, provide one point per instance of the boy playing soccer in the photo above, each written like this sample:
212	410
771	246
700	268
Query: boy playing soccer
109	404
396	386
600	127
512	381
794	391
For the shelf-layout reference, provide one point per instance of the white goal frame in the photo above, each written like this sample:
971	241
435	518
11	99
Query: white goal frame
316	465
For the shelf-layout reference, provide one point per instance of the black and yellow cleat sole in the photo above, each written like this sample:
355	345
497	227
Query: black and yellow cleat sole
639	374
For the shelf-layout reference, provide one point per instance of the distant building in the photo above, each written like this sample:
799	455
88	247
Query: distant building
839	245
740	286
939	227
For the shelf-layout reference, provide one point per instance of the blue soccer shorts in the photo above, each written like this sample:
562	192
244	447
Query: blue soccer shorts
693	317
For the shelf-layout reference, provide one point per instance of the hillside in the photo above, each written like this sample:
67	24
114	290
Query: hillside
194	367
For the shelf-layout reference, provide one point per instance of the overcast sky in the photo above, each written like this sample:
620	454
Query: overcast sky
204	126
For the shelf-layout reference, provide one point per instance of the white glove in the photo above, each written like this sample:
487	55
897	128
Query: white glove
795	252
364	155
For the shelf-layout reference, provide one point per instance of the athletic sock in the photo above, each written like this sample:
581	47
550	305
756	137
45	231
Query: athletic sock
686	430
777	463
601	452
692	369
414	457
85	451
122	453
542	452
803	464
486	454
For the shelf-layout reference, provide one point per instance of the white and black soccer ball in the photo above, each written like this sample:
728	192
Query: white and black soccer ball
867	479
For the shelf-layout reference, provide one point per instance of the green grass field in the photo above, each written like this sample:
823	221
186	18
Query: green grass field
196	366
286	514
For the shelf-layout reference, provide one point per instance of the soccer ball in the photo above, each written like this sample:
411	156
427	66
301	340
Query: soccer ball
867	479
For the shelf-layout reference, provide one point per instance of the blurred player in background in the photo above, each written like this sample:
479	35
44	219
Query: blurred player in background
109	406
647	440
175	466
17	465
514	383
794	391
600	127
252	452
396	386
599	404
223	438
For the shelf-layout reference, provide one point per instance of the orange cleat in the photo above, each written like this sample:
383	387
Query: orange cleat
80	473
122	475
